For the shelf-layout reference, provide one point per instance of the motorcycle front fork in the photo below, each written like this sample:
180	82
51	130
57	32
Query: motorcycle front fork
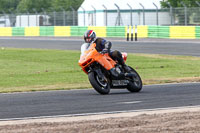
100	74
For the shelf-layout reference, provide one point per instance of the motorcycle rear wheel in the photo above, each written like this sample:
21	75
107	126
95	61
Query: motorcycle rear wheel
136	84
100	86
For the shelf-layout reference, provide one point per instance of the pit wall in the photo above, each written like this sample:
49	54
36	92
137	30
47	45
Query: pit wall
173	32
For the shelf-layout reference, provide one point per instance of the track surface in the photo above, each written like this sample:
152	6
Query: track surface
37	104
151	46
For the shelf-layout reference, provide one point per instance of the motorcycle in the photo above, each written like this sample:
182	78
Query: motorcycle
97	66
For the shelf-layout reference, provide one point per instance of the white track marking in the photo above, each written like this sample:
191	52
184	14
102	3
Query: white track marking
131	102
155	110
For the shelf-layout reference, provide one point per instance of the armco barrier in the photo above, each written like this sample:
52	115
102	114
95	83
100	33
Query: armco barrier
47	31
18	31
177	32
5	31
197	32
78	30
116	31
142	31
180	32
32	31
100	30
158	31
62	31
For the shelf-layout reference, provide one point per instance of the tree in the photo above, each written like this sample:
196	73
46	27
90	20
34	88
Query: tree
66	4
29	5
189	15
8	5
177	3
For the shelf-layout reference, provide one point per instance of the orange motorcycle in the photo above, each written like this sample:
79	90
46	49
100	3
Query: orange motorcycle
98	67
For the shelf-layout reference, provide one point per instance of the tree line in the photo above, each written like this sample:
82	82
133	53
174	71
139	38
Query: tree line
180	3
21	6
31	6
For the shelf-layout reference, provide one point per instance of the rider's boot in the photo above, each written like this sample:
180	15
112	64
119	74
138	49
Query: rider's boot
128	71
130	75
126	68
121	75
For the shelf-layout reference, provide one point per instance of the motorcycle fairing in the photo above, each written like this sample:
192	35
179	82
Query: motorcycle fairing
92	55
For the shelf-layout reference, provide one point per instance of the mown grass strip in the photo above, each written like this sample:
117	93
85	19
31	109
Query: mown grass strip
35	69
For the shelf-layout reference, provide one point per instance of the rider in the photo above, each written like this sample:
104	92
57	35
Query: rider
104	46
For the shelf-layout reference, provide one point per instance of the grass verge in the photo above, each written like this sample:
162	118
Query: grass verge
35	69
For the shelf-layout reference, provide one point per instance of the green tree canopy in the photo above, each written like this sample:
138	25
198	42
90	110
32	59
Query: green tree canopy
8	5
38	5
30	5
66	4
177	3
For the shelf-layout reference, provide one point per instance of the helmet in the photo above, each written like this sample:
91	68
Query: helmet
89	36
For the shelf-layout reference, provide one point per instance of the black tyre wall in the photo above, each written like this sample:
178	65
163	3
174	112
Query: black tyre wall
96	85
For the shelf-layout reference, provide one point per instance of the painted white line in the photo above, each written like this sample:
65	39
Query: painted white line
166	84
131	102
170	109
100	116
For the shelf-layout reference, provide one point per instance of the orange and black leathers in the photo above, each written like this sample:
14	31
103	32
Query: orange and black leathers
102	44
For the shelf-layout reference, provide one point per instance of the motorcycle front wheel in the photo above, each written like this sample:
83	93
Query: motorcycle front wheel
102	87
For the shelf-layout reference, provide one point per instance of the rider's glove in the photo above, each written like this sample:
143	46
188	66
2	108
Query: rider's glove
108	45
104	51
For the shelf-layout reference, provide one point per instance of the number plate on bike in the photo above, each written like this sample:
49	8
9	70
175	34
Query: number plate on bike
119	82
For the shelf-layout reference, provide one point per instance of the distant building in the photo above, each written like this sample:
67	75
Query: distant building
5	21
122	12
32	20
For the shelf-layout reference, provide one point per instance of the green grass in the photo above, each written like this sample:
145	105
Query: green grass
165	67
33	69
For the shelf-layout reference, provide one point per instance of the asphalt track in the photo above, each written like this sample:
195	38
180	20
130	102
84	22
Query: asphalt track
84	102
151	46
